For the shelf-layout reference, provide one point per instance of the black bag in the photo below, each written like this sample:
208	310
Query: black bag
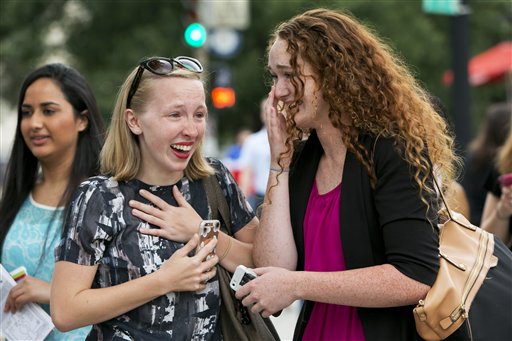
236	321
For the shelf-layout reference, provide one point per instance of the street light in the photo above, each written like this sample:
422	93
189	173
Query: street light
195	35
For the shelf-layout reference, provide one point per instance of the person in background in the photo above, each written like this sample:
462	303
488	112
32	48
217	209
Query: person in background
455	194
497	215
350	224
482	155
232	155
255	162
56	146
457	199
129	238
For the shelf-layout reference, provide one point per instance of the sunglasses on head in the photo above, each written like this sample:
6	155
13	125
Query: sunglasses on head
162	66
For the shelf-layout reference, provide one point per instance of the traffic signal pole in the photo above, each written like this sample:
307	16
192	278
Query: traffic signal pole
461	100
459	32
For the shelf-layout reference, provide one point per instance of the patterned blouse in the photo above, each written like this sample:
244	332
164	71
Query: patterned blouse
100	230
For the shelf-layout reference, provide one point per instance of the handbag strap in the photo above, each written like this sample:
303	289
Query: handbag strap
217	201
239	323
445	202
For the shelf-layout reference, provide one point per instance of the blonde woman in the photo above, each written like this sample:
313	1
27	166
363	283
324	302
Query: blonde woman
126	263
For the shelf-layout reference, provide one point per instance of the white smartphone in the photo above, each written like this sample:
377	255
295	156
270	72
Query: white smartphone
241	276
208	229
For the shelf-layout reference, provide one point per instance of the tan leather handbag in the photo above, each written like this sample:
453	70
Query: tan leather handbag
466	255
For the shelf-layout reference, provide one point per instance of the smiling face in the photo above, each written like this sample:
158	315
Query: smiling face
49	125
312	108
170	129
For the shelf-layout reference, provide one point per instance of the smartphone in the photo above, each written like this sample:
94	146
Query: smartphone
241	276
208	229
505	179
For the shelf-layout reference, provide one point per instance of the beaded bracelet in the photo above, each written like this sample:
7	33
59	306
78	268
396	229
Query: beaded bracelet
279	170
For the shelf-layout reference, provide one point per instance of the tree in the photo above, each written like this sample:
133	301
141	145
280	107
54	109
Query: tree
106	39
23	28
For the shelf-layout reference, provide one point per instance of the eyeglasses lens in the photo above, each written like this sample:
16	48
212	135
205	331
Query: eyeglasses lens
189	64
160	66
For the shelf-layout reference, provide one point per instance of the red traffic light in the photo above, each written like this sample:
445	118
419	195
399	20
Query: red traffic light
223	97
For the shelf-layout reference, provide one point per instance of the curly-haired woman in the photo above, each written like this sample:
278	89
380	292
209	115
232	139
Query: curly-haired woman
350	215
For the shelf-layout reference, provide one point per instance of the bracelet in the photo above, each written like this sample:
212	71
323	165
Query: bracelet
278	170
226	251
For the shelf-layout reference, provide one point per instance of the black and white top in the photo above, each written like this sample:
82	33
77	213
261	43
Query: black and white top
100	230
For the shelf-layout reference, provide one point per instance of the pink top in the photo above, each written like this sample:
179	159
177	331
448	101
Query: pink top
323	253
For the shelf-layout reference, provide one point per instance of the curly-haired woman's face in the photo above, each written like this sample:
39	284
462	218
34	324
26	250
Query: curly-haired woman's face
313	109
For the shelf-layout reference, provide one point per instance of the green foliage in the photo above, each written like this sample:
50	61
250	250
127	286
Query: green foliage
22	25
106	39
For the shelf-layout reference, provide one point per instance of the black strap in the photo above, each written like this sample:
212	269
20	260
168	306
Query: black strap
217	201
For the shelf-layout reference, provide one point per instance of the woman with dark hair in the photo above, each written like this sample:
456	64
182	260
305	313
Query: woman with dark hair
497	213
57	143
482	155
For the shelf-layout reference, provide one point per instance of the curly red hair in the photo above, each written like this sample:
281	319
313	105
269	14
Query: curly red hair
363	80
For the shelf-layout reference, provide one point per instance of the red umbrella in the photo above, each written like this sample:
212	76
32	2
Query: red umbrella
487	67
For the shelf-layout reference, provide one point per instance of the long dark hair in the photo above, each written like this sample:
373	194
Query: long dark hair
493	134
22	168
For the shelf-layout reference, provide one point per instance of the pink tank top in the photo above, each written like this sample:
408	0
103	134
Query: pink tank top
323	252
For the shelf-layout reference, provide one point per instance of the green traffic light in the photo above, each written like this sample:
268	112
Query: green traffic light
195	35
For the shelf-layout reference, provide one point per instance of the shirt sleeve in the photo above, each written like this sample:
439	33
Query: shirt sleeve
87	227
409	226
240	211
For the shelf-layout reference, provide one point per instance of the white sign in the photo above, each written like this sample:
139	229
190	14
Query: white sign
224	41
232	14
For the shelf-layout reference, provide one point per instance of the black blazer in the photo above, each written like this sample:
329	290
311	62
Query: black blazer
385	225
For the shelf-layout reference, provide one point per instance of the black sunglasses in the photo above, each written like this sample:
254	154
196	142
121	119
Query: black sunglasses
162	66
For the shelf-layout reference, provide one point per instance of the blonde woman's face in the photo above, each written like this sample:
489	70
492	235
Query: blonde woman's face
170	129
313	109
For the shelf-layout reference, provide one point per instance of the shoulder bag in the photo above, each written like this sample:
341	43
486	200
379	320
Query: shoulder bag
466	255
236	321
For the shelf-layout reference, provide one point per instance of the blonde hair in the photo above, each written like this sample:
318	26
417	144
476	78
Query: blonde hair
121	156
362	79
